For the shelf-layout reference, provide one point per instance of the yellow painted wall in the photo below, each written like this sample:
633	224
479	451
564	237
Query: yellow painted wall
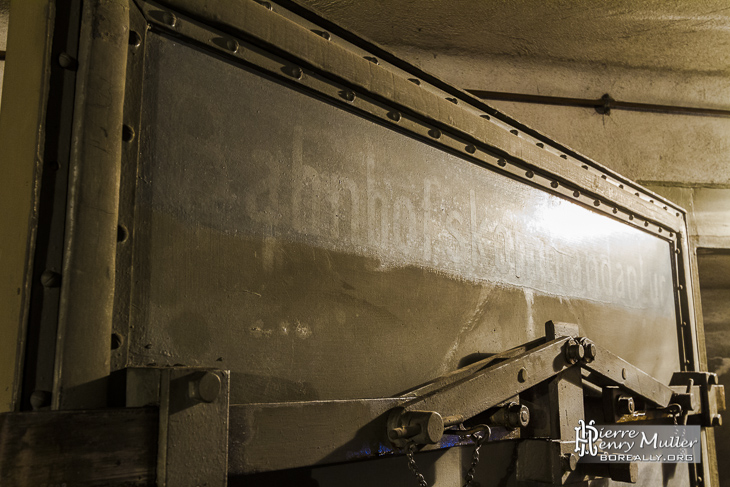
21	113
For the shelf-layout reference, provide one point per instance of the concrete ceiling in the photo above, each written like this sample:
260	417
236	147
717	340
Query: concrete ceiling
676	35
4	16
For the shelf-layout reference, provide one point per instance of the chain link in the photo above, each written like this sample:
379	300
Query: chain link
410	450
478	438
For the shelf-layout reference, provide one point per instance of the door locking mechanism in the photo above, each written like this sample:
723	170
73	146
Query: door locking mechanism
537	389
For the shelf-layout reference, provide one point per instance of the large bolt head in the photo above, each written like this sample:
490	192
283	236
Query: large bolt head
518	415
40	399
626	405
434	428
590	349
420	427
570	462
574	351
206	388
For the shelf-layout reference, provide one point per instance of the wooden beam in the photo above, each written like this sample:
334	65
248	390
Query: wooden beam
79	448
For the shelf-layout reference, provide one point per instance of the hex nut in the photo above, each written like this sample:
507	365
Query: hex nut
626	405
518	415
574	351
590	349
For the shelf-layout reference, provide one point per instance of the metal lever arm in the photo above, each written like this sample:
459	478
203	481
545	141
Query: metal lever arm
461	395
494	385
478	392
608	369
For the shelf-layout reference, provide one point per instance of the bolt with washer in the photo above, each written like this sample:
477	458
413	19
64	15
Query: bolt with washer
574	351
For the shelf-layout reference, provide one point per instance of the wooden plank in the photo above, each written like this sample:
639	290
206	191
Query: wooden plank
79	448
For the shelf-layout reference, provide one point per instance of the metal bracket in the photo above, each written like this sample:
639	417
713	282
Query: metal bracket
711	395
193	424
548	376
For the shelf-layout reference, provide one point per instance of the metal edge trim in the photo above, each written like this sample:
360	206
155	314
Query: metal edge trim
601	193
87	293
265	26
301	9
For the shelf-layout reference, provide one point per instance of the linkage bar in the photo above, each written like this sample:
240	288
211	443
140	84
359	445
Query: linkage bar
610	369
494	385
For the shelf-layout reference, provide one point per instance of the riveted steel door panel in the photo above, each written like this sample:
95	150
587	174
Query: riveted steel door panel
247	188
320	255
326	232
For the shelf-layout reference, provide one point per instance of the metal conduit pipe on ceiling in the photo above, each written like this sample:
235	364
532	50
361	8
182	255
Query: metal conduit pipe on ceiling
603	105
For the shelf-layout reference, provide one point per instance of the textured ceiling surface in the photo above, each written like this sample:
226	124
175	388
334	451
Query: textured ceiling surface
687	35
4	15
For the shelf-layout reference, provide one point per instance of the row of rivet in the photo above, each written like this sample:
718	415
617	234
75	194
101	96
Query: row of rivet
233	47
395	116
615	183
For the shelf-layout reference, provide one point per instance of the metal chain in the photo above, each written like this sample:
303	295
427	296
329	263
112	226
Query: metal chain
675	411
479	440
410	450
